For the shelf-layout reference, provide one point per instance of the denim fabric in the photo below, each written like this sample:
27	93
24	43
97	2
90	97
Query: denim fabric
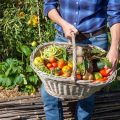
52	106
100	40
84	108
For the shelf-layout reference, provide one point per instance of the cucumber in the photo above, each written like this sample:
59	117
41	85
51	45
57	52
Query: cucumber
100	65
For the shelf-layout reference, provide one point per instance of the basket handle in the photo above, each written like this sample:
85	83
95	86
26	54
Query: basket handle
73	76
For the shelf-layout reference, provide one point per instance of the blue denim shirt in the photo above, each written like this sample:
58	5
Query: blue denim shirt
86	15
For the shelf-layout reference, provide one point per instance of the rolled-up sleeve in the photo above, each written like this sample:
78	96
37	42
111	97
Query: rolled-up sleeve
49	5
113	11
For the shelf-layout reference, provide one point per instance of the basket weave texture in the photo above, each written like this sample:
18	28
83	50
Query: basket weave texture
66	88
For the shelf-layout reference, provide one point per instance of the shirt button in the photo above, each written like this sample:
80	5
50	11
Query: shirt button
77	3
76	12
75	23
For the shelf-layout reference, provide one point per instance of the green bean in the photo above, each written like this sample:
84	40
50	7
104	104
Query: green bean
53	50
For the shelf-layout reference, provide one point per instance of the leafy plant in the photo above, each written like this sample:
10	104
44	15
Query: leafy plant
19	35
12	74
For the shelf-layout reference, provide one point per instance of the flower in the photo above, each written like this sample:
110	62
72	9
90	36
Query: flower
21	14
29	22
35	20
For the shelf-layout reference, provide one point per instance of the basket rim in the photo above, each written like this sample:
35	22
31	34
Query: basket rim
60	78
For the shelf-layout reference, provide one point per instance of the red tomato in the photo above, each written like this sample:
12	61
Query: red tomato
52	59
52	69
49	65
58	73
61	63
78	76
104	72
54	64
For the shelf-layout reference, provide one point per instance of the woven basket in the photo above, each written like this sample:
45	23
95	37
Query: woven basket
67	88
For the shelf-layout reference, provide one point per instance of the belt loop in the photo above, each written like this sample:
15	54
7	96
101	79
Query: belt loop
91	35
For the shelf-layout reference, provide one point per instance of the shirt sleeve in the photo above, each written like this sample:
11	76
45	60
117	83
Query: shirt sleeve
49	5
113	12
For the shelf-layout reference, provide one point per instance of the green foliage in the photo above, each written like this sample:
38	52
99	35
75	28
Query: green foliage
19	35
13	74
20	27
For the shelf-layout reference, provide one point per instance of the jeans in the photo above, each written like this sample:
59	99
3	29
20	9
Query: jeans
84	108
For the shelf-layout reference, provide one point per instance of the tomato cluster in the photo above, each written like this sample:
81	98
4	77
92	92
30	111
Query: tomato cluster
60	67
102	75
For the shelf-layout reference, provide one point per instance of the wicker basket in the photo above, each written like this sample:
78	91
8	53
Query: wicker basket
67	88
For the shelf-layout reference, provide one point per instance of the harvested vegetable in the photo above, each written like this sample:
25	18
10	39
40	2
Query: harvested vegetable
104	72
61	63
58	60
59	52
67	74
97	75
38	61
79	59
52	59
66	69
87	76
80	51
78	76
44	68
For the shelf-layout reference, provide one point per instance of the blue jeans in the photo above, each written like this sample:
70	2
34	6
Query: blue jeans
84	108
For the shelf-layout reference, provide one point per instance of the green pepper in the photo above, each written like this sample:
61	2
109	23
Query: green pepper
97	75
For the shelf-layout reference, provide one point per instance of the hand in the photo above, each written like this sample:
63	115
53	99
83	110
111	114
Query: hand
68	29
113	56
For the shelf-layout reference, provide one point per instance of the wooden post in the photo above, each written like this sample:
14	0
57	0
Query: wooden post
38	12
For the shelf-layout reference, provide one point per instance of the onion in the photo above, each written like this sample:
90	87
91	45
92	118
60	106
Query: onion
87	76
79	59
90	76
80	51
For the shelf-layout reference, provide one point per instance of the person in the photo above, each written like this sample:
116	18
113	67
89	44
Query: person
87	19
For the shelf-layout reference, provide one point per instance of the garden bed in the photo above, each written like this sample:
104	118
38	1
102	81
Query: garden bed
6	94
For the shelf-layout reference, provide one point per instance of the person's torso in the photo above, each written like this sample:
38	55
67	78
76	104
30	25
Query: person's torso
86	15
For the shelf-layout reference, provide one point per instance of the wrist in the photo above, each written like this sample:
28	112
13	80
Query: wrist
63	23
114	45
114	48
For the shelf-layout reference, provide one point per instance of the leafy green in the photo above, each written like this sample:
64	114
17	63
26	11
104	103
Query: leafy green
81	67
26	50
5	81
33	79
11	66
28	88
86	64
28	69
20	80
12	74
97	52
106	62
